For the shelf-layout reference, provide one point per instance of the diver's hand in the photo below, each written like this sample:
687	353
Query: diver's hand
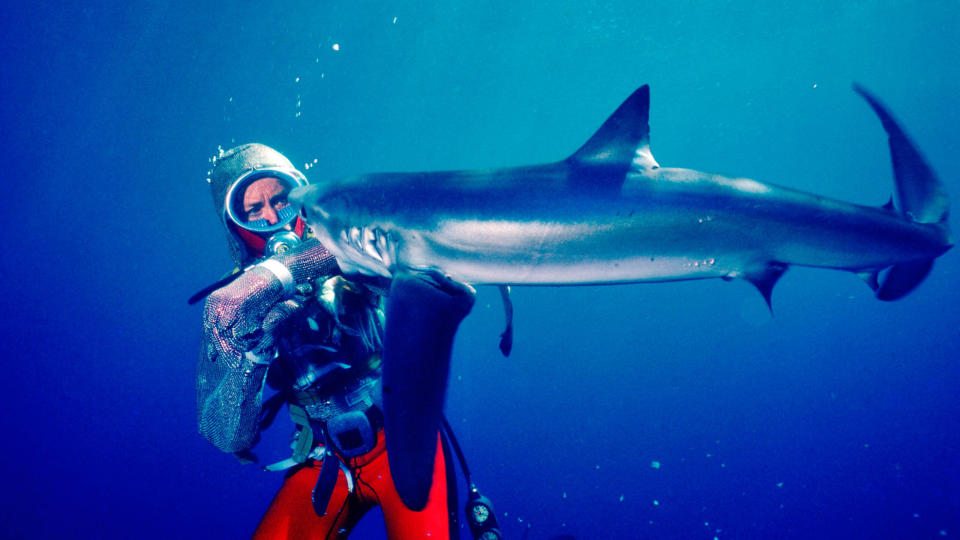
272	323
234	316
241	317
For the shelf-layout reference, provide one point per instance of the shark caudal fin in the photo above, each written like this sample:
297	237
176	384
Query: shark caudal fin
922	199
623	141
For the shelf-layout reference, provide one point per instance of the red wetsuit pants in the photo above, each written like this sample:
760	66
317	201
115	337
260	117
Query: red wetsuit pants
291	514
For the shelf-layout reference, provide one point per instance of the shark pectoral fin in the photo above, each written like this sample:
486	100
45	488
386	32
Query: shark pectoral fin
870	277
423	312
903	278
506	338
765	279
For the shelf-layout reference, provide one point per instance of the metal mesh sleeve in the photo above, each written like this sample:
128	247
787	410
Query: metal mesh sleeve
229	380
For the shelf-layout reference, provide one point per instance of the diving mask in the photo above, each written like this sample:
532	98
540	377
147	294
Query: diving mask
257	200
257	205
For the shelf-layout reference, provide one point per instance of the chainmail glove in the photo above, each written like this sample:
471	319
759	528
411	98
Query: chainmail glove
238	341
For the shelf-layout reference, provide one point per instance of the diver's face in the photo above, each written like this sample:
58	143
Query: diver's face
263	199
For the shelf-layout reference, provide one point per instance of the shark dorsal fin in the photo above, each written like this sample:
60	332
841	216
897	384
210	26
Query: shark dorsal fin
623	141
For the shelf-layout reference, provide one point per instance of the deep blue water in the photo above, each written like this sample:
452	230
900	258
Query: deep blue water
836	418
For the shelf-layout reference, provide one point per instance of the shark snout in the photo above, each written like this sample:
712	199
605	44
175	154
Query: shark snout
306	198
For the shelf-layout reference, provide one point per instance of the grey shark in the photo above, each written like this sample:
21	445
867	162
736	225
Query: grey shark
610	214
607	214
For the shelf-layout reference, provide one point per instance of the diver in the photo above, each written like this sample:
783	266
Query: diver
291	322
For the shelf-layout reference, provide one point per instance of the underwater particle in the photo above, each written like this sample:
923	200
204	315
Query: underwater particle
336	46
943	532
598	467
779	484
564	494
394	20
866	445
709	454
621	497
916	515
654	464
656	502
297	79
723	465
706	523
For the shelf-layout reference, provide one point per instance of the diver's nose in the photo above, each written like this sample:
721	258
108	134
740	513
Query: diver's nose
270	215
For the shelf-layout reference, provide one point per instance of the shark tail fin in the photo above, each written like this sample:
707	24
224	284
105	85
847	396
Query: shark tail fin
922	199
624	139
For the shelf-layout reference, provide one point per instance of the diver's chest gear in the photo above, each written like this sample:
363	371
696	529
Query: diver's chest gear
339	324
342	391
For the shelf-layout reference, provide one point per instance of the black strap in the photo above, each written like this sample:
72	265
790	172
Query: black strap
328	475
205	292
448	431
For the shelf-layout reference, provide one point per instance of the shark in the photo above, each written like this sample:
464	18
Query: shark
607	214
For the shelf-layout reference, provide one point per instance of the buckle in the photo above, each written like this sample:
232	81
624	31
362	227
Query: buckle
352	434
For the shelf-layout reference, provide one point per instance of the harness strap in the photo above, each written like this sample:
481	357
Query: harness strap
327	480
308	434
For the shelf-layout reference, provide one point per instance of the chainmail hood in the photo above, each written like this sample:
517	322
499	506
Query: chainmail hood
227	167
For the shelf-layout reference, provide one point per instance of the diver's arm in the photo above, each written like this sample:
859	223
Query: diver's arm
237	343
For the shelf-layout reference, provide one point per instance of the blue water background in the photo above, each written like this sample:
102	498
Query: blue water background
836	418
